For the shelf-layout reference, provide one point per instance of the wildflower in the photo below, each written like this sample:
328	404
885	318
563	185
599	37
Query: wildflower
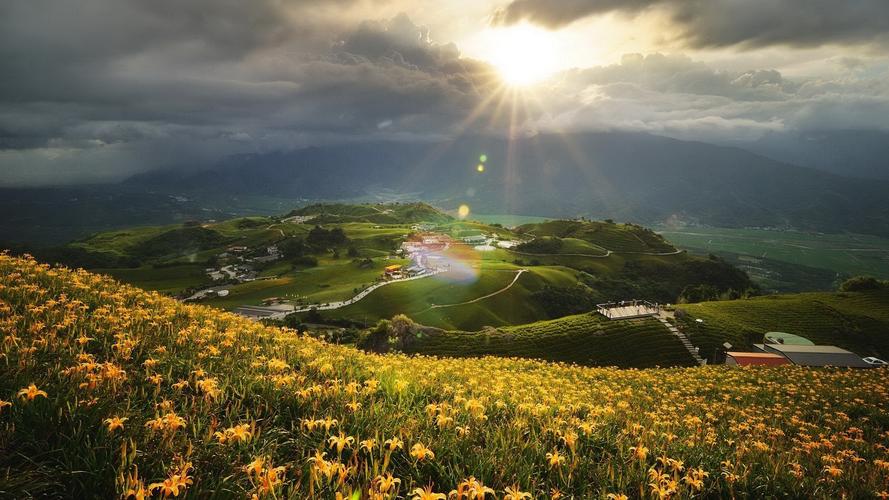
833	471
174	484
427	494
31	392
328	423
235	434
470	489
210	388
115	423
4	404
555	459
385	483
368	445
640	452
617	496
340	442
255	467
421	452
168	423
515	493
393	444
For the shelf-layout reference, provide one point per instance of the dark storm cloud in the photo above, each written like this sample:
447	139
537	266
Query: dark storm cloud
118	86
717	23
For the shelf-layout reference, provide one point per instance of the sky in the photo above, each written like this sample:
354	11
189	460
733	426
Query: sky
97	90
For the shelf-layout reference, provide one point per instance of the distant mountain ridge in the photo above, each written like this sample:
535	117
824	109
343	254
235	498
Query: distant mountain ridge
624	176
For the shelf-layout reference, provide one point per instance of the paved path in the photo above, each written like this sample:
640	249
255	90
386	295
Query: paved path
364	293
682	338
479	299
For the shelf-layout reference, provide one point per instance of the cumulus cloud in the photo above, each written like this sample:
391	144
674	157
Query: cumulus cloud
719	23
677	96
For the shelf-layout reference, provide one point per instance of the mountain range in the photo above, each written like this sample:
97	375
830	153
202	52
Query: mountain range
623	176
626	176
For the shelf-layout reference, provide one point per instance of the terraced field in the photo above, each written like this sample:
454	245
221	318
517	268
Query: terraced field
858	321
585	339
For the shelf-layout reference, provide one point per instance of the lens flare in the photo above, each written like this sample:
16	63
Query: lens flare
483	158
480	167
463	211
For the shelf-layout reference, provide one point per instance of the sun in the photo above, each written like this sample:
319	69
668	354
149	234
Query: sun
523	54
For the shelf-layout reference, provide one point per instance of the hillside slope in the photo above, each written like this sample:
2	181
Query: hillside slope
857	321
111	391
585	339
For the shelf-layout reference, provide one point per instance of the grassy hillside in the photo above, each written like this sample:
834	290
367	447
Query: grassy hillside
585	339
593	262
106	390
614	237
858	321
379	213
446	301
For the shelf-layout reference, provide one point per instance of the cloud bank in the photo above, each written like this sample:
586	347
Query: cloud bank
99	89
720	23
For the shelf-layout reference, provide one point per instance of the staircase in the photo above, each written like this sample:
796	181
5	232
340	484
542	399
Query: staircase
682	338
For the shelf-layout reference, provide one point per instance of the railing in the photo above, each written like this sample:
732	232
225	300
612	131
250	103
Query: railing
607	309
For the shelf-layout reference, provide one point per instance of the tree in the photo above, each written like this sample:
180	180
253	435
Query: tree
403	331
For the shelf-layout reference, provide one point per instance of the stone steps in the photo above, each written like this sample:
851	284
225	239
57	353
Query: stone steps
685	342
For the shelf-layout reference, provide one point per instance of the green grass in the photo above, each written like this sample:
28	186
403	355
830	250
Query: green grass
332	280
415	298
378	213
628	238
857	321
849	254
170	279
507	220
585	339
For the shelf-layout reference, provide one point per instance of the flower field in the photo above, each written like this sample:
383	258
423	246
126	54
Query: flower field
106	390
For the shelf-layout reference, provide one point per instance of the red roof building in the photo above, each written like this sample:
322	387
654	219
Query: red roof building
755	358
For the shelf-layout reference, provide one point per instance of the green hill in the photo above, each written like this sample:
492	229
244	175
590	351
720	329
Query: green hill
585	339
378	213
329	252
621	238
857	321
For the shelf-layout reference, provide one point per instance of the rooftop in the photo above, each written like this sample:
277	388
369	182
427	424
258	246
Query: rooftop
755	358
786	338
818	355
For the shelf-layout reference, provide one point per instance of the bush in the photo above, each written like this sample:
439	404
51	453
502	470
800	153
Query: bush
862	284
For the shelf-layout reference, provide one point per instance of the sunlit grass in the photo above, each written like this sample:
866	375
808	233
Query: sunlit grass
108	390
